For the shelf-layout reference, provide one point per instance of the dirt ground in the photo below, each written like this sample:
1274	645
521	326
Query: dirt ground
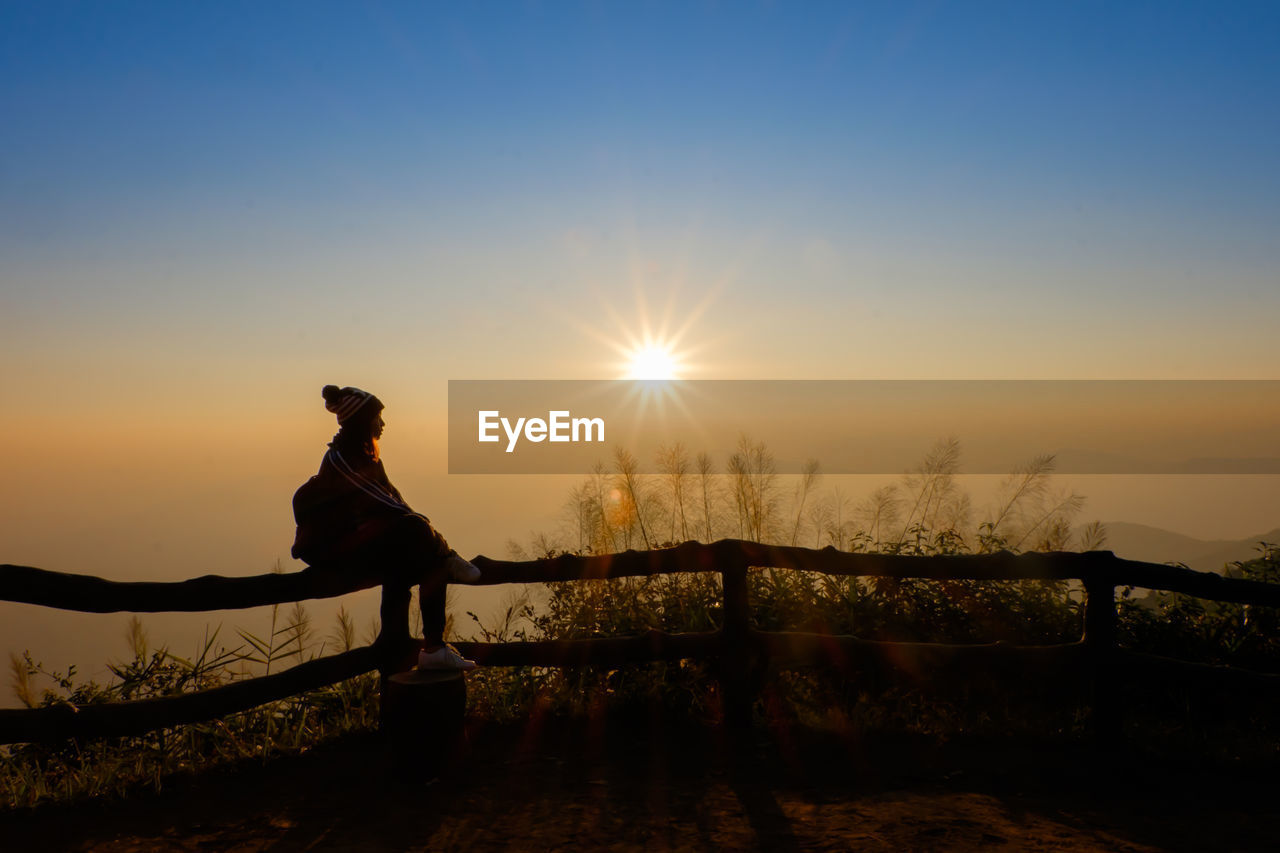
640	784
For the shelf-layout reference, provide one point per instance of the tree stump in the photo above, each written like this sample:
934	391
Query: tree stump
422	721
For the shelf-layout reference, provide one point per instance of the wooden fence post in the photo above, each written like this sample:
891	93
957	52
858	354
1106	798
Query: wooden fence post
422	721
1100	641
735	639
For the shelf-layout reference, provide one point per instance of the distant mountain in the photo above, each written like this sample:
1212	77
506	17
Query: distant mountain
1073	460
1153	545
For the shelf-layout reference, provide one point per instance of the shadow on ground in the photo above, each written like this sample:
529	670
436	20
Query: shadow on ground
641	783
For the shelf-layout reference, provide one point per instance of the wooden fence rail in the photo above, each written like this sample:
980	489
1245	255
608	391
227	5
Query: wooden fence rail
739	648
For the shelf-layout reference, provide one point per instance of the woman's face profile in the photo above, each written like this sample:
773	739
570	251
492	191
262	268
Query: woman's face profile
376	425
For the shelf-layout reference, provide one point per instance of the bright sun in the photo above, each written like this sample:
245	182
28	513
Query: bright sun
652	361
649	345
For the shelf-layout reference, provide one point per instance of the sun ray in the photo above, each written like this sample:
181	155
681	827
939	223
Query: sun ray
658	328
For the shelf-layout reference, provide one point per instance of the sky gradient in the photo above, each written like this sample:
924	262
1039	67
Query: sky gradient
207	213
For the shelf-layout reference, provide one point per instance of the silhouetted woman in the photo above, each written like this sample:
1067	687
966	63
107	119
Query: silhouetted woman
351	516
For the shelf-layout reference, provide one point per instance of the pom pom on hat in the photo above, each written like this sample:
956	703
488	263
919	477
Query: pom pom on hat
345	402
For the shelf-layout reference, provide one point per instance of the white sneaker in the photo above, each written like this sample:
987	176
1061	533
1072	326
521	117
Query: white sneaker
460	570
445	657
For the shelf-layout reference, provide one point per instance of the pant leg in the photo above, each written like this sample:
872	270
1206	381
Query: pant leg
394	606
418	552
424	537
431	601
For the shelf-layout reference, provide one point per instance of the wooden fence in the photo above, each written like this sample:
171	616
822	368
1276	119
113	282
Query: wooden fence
738	647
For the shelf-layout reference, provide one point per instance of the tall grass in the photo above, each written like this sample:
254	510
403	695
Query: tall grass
32	773
925	513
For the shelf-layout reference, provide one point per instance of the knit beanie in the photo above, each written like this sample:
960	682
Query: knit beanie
345	402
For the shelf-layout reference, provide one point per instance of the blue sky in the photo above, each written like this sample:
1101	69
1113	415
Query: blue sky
1020	120
253	199
927	190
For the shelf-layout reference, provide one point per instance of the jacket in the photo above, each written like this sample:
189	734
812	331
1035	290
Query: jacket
346	505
